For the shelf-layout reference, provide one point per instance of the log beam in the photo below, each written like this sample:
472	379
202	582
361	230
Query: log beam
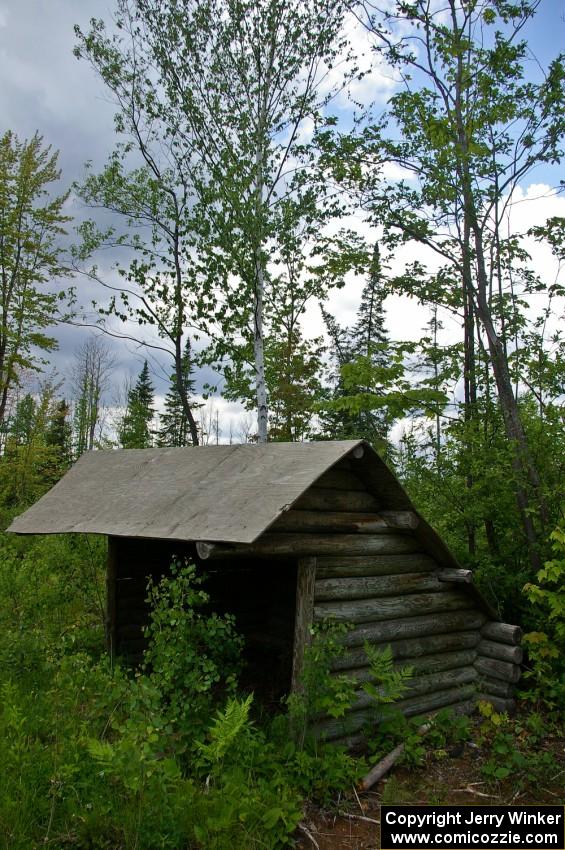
320	499
346	522
368	587
501	651
341	566
391	607
503	633
306	577
456	576
111	594
303	545
415	627
412	648
492	668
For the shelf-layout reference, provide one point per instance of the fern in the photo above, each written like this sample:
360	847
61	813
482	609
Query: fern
388	684
226	728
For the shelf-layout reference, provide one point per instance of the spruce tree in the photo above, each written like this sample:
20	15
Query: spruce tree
59	434
175	429
367	339
134	431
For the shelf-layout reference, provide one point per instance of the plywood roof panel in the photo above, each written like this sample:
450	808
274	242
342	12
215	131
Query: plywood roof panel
213	493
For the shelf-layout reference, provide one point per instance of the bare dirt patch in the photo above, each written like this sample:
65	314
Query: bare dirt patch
443	779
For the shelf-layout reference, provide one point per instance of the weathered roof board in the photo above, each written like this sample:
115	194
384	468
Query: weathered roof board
213	493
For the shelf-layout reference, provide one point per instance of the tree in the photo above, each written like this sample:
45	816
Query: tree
227	88
59	435
368	340
174	429
31	255
33	461
134	430
471	128
90	377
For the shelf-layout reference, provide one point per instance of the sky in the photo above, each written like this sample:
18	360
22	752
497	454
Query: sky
44	88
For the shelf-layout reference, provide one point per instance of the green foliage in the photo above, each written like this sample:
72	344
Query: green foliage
515	748
31	256
387	685
174	427
322	692
194	656
134	431
545	676
37	447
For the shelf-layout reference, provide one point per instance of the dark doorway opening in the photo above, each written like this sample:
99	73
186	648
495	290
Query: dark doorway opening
260	593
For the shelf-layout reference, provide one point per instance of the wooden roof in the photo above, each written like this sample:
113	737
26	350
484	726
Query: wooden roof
212	493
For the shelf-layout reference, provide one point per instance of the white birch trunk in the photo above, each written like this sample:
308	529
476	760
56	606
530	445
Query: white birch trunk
258	347
261	390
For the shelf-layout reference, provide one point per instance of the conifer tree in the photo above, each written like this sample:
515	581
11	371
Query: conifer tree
367	339
59	435
175	429
134	431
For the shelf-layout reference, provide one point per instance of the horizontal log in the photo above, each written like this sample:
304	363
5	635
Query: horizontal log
414	627
494	669
391	607
320	499
441	661
503	633
345	522
340	479
496	687
367	587
413	648
420	685
302	545
502	706
357	741
501	651
457	576
353	722
338	566
427	702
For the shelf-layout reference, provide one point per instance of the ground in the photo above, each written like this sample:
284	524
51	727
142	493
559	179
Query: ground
443	779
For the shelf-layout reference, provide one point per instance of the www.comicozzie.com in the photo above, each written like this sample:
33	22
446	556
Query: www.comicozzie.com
473	827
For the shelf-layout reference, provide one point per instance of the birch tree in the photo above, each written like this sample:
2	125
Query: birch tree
245	81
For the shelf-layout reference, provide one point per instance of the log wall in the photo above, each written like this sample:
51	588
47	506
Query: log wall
372	571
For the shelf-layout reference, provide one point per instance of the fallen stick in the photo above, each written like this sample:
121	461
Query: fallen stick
385	764
309	835
358	817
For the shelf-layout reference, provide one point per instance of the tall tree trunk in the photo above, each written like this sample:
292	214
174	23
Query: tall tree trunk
181	386
258	346
469	365
523	465
183	395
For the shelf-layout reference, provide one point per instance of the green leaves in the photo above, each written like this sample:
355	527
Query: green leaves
32	223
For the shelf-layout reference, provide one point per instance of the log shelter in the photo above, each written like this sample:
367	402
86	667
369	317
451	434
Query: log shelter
289	534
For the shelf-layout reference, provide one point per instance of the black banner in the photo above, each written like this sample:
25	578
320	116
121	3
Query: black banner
472	827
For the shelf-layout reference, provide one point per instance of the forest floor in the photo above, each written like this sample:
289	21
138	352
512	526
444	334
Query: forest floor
450	779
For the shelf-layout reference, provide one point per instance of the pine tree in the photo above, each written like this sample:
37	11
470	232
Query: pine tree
369	336
367	339
134	431
59	434
175	430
